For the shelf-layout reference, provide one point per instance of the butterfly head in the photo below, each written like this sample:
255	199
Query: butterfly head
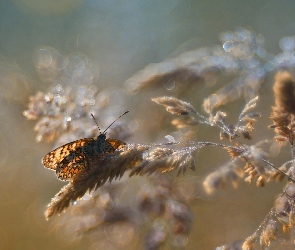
103	134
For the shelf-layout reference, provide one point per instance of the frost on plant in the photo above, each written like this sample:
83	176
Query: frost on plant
129	193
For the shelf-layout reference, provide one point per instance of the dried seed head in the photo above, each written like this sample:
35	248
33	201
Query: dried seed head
249	242
185	121
260	181
212	182
283	114
219	117
227	173
269	233
174	105
234	152
284	92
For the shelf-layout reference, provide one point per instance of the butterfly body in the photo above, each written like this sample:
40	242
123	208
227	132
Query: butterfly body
74	158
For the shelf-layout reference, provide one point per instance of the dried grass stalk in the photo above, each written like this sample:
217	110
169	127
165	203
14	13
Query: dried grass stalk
283	113
142	159
174	105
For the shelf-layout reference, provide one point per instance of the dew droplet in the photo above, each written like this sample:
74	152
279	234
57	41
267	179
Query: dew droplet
227	46
287	43
42	58
169	85
170	138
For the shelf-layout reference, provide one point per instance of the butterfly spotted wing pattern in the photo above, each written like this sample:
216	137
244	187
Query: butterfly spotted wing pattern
73	158
53	158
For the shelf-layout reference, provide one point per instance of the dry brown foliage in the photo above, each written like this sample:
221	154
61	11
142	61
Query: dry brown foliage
283	113
63	113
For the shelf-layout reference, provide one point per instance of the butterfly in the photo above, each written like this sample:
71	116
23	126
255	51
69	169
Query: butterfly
74	158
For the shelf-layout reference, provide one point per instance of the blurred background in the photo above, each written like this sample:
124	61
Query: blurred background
120	38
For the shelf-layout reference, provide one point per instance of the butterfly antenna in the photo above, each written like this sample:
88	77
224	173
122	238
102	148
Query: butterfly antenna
115	121
95	122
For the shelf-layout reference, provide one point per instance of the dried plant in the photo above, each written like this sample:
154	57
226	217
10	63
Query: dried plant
284	111
153	209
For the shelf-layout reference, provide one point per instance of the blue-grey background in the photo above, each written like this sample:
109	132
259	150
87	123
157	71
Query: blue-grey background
122	37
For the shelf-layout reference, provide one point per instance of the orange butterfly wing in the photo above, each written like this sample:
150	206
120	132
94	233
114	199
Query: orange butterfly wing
53	158
116	144
70	159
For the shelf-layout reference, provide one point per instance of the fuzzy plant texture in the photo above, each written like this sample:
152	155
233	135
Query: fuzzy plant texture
101	196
